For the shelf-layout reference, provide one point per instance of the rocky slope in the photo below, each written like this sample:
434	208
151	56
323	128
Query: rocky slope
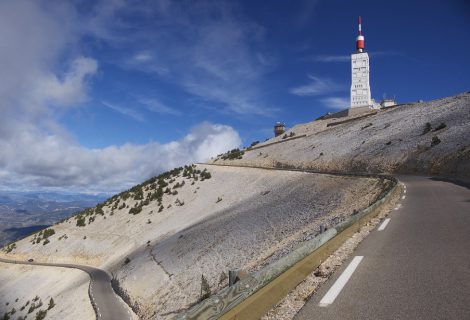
430	138
159	238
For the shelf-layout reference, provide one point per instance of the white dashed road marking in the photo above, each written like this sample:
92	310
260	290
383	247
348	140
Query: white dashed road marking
335	290
384	224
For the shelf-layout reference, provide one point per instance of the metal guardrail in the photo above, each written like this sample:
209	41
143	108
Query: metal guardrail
254	295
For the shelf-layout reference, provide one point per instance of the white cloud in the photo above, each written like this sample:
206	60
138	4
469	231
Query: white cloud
35	159
207	48
43	73
318	86
154	105
337	103
125	111
71	90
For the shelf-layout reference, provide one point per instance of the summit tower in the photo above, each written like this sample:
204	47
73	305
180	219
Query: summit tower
360	86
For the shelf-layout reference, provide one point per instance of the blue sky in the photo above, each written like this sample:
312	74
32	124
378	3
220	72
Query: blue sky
99	95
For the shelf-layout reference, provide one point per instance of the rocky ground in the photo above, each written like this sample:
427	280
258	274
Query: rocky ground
26	291
159	238
280	210
236	218
395	140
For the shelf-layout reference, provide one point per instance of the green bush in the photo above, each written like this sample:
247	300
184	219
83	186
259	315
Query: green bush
48	232
441	126
427	128
41	314
51	304
135	210
435	141
233	154
10	247
81	222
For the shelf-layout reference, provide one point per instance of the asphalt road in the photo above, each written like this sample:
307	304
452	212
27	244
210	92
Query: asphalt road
417	267
108	305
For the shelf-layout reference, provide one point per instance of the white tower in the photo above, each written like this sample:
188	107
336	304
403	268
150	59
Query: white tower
360	87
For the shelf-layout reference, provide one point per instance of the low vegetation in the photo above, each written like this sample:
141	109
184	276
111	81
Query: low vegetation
441	126
142	195
427	128
290	135
23	313
435	141
43	236
9	248
232	154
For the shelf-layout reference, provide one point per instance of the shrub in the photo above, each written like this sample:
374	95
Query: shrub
46	241
441	126
233	154
205	289
135	210
10	247
127	260
427	128
99	210
205	175
48	233
81	222
41	314
254	143
435	141
51	304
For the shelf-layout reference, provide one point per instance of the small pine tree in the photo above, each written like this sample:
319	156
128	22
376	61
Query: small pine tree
51	304
205	288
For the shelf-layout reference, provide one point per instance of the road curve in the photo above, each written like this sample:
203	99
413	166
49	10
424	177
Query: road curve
417	266
107	304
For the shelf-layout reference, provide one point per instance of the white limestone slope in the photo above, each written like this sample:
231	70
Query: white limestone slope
391	141
239	217
20	284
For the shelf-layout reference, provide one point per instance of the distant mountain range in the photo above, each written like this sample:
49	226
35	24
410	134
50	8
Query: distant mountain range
22	213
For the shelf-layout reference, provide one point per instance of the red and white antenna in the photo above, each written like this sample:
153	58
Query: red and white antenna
360	38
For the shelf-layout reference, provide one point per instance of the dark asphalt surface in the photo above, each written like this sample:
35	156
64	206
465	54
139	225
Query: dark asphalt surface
108	305
418	267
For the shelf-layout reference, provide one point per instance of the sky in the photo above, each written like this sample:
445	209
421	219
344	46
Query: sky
96	96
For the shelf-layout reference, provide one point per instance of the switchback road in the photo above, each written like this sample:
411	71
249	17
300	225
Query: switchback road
417	266
108	305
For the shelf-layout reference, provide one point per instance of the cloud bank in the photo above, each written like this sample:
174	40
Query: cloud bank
45	74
